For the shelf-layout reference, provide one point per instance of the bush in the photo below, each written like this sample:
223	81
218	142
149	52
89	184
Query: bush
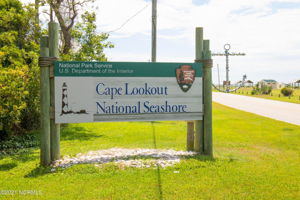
12	95
266	89
19	104
287	91
16	144
19	71
255	91
30	116
263	90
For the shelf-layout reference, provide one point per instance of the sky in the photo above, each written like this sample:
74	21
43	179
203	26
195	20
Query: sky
268	31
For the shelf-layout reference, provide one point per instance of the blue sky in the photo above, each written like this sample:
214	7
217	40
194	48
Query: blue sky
267	31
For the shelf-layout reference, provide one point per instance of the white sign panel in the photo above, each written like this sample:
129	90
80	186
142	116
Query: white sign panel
113	91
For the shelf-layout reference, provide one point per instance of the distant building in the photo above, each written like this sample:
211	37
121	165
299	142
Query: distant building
296	84
272	83
248	83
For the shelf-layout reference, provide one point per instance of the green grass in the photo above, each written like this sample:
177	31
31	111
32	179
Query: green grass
275	95
254	158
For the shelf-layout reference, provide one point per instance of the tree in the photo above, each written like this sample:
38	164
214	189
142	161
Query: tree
19	52
66	12
18	65
16	25
88	44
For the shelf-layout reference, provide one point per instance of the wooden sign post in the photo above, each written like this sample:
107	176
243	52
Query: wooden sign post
50	132
203	128
75	92
45	102
55	127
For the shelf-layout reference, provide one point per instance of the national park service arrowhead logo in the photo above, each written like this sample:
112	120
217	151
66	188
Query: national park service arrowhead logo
185	76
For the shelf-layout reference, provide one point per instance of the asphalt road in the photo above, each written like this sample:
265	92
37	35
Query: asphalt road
283	111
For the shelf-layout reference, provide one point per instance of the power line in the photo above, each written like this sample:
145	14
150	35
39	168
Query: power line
126	21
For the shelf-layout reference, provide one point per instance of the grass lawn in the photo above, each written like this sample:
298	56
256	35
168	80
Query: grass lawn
275	95
254	158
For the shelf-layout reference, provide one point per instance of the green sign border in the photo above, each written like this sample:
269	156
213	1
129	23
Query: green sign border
120	69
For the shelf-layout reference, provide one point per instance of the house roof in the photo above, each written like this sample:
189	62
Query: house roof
298	81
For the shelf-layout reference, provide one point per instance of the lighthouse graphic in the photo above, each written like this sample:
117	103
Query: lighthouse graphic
65	102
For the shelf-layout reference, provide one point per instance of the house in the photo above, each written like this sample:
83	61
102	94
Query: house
272	83
248	83
296	84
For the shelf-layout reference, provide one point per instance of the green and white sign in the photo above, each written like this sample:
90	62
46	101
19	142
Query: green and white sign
127	91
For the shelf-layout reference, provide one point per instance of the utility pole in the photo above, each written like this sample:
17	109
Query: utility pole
227	54
154	22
